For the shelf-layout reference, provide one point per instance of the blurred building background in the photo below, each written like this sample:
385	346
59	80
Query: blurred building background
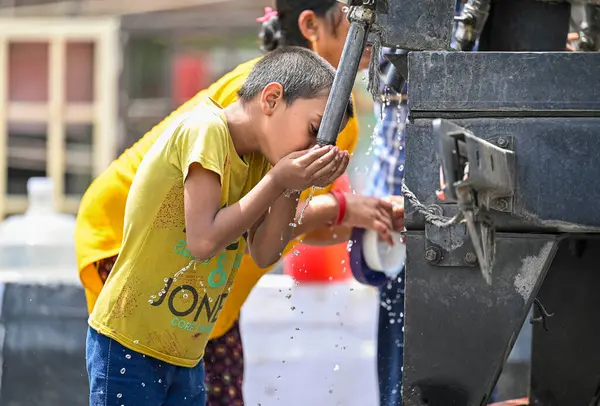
84	79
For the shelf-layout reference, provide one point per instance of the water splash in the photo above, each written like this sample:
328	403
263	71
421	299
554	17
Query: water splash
310	196
178	274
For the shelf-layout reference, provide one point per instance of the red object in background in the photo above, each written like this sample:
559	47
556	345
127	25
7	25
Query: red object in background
189	77
516	402
320	264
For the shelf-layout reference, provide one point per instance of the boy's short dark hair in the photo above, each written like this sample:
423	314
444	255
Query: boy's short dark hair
302	73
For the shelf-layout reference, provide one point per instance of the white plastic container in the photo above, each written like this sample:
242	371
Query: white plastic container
40	238
382	257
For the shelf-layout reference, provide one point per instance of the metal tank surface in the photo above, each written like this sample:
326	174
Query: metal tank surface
516	129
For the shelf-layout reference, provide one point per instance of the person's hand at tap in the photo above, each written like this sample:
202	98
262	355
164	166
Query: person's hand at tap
370	213
397	212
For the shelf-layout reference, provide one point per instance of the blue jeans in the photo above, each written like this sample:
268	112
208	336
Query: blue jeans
390	342
121	377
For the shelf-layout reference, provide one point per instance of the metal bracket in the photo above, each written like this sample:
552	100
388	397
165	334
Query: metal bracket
448	246
479	176
470	162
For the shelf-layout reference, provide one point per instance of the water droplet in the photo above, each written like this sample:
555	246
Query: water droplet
293	307
122	371
136	342
143	385
128	356
159	380
336	367
119	395
288	296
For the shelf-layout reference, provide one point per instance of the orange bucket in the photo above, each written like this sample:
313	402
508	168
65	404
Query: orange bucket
309	263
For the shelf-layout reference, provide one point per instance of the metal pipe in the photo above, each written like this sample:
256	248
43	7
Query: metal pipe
361	18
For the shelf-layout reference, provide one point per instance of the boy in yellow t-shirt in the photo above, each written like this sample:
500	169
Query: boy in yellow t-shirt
206	189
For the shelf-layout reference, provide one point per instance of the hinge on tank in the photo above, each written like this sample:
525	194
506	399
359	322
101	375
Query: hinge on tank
479	176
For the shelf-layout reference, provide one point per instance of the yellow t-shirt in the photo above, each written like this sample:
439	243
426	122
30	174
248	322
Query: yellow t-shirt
158	300
99	228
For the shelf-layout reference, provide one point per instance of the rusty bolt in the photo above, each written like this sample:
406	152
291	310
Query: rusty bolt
471	258
502	204
502	142
432	254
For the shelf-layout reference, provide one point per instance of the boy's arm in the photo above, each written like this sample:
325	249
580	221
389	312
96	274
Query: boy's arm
270	235
209	227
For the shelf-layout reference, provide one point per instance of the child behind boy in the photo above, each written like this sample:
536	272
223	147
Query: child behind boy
205	190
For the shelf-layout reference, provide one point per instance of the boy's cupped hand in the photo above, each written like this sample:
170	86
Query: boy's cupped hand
318	166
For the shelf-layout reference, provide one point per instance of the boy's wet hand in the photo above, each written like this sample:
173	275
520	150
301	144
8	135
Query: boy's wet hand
329	167
302	169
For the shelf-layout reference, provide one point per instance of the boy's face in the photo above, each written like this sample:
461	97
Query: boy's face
289	127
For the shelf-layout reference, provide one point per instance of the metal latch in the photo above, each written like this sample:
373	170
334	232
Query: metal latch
478	175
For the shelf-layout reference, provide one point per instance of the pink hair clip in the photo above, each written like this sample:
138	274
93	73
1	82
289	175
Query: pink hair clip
269	13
